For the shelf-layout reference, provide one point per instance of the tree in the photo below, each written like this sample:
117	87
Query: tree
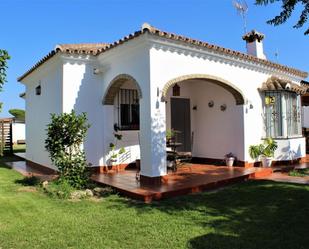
287	9
65	136
18	114
4	57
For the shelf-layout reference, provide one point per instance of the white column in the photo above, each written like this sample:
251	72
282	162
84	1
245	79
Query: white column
108	131
152	133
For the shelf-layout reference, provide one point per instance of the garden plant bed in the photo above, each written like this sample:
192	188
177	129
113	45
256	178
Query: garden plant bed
299	172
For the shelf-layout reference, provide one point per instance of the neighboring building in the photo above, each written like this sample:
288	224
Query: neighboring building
12	131
221	100
18	131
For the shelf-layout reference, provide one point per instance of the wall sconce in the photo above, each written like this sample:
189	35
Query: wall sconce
223	107
100	69
97	71
211	104
38	90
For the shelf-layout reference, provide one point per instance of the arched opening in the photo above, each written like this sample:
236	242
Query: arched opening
117	84
207	114
122	117
239	98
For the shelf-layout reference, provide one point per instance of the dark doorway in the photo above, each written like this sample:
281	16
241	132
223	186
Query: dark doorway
181	122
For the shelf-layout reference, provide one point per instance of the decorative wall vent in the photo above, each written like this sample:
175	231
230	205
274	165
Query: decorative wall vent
176	90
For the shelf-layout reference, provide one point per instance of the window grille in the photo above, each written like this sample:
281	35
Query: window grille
282	114
128	109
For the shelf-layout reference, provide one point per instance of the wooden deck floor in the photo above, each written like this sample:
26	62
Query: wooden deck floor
189	178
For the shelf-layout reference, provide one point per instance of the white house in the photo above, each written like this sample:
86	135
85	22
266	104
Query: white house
18	131
147	82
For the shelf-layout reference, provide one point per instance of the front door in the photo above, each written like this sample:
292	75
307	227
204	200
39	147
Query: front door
181	122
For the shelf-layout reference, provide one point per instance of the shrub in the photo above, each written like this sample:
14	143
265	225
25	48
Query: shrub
65	136
18	114
267	149
60	188
299	172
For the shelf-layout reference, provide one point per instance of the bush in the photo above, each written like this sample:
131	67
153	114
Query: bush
18	114
60	188
299	172
65	135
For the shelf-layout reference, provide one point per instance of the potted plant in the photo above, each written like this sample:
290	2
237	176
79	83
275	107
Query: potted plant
114	154
264	151
170	136
229	159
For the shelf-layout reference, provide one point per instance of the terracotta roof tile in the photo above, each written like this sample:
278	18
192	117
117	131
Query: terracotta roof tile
274	83
82	48
98	48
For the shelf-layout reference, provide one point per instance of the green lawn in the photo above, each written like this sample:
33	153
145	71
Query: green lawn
260	215
17	148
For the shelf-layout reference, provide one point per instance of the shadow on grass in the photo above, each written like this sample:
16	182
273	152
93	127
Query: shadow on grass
254	214
10	158
29	181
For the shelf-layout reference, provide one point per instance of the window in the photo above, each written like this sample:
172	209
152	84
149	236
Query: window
293	114
282	114
128	109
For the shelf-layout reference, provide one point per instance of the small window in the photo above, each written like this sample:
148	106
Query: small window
38	90
128	109
176	90
282	114
273	114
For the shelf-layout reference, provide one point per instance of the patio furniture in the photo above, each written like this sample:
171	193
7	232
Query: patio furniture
172	155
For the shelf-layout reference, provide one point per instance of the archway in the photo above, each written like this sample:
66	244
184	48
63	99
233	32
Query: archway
116	84
122	117
208	113
235	91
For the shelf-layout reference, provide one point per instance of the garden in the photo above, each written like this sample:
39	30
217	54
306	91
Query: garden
254	214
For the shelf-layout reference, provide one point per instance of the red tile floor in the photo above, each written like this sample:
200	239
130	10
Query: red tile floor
284	177
27	170
189	178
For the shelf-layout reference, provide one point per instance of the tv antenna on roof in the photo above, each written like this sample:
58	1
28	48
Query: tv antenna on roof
242	8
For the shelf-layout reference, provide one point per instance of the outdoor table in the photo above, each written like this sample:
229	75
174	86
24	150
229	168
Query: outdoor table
173	146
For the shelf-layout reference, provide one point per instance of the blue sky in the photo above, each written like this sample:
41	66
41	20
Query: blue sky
31	28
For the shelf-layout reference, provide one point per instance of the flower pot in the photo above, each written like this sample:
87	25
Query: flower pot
266	161
229	161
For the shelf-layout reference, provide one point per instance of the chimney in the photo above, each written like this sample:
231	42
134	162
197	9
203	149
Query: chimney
254	44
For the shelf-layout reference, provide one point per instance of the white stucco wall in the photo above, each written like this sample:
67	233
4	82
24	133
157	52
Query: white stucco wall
170	63
289	149
215	132
18	132
83	91
39	107
132	58
69	83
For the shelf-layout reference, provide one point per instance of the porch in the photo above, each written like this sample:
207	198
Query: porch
189	178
